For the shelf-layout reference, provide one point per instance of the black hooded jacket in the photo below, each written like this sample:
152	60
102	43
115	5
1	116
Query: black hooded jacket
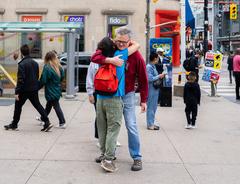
192	93
27	76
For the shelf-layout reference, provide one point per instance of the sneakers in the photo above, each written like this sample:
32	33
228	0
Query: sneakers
194	126
62	125
11	127
99	159
47	127
153	127
39	119
108	165
188	126
118	144
137	165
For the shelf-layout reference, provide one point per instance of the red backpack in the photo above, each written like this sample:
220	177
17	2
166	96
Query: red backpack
106	81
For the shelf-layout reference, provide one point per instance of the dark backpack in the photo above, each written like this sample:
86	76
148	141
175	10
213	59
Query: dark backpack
106	81
186	64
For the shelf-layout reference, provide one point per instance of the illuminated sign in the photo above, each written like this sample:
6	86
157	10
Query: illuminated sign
31	18
74	19
118	20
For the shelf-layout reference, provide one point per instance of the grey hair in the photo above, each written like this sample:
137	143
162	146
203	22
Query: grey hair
123	30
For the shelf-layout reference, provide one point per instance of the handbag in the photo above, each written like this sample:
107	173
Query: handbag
158	83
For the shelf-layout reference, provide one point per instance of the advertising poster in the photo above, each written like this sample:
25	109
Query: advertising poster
166	44
213	65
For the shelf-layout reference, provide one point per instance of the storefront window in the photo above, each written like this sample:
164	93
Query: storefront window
32	39
114	22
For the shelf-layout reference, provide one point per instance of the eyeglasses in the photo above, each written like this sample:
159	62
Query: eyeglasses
121	42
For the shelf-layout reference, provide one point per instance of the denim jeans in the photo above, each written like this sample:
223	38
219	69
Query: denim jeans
131	125
152	103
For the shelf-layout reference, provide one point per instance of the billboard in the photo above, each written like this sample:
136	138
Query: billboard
166	44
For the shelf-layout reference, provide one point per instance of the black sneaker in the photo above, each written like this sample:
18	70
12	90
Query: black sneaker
99	159
11	127
47	127
137	165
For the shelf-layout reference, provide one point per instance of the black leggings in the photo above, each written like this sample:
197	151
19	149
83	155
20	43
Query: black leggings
55	104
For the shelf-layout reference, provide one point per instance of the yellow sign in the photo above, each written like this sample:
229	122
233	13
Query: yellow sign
233	11
217	61
218	57
154	1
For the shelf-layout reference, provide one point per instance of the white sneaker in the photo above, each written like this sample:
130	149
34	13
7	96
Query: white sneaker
39	119
118	144
188	126
62	126
98	144
193	127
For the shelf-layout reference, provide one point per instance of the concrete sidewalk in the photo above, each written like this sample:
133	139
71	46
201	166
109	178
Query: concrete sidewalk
173	155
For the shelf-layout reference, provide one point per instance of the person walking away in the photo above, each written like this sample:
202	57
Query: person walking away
153	92
192	97
230	65
135	71
27	89
236	72
51	79
191	63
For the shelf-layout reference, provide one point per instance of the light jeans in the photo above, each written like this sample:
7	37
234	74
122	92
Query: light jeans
131	125
152	103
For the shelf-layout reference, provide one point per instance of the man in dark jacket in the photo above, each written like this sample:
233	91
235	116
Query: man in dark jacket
27	88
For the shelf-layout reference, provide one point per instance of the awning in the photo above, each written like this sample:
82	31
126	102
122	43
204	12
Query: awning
189	18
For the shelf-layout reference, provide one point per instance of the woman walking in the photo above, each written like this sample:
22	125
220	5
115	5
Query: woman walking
51	78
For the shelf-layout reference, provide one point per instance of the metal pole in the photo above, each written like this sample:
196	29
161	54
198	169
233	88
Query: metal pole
183	34
205	43
229	35
70	66
147	19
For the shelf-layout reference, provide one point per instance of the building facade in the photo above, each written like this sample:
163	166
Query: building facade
99	17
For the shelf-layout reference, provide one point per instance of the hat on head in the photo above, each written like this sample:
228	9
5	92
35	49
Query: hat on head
160	49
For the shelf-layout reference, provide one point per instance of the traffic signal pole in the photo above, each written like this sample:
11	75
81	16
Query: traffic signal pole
147	20
205	42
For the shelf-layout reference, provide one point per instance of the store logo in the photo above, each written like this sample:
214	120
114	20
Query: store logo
74	19
31	18
118	20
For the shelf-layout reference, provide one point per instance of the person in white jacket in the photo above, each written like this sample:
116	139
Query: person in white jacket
92	70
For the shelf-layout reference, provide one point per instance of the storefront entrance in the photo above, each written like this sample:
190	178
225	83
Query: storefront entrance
169	31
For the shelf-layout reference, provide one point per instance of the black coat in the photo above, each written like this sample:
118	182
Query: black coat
192	93
159	66
230	63
27	76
